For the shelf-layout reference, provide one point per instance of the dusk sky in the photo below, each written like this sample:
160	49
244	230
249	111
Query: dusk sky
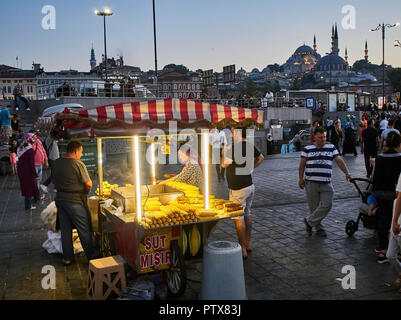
205	34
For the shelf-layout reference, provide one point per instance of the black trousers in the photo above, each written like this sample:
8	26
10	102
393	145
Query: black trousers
385	202
368	166
49	179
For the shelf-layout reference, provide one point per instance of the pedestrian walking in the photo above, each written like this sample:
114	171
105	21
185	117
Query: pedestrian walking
15	123
73	185
336	134
390	128
40	159
315	173
27	174
5	117
349	145
383	123
386	174
312	131
240	184
53	153
12	152
370	143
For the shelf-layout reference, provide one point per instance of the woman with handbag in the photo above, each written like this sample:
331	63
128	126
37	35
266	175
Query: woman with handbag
27	174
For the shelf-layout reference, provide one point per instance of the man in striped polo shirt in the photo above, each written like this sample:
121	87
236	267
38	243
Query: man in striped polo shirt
315	172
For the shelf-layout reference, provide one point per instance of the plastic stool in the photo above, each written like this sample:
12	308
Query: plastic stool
283	148
106	275
223	272
291	148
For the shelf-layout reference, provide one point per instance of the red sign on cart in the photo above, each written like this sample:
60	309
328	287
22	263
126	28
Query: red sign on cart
155	250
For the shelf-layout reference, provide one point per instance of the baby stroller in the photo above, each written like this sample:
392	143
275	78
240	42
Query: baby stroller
369	222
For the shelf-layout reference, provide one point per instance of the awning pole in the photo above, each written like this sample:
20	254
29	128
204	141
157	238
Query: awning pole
138	198
153	164
100	165
205	147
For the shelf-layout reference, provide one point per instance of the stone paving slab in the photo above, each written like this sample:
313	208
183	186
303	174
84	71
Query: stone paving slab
285	264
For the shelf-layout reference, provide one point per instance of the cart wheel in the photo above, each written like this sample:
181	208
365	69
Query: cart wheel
176	275
351	228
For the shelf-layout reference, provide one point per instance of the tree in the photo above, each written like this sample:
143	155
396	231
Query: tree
360	65
251	89
178	68
296	85
275	68
275	87
394	77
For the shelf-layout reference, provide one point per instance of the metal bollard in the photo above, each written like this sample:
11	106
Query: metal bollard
223	272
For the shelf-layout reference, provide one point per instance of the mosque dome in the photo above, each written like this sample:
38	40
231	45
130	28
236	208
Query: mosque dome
303	50
266	70
331	62
255	70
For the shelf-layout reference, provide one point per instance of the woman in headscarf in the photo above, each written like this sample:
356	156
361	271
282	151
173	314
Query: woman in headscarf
191	172
336	134
349	140
26	172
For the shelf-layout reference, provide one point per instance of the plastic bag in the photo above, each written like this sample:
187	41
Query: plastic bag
140	289
53	243
49	216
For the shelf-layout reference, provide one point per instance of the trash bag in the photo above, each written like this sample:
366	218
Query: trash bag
140	289
76	242
49	216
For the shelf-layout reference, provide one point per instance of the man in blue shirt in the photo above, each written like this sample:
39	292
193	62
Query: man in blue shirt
5	117
315	172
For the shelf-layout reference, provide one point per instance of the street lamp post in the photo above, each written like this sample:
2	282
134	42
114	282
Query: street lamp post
105	13
154	40
383	27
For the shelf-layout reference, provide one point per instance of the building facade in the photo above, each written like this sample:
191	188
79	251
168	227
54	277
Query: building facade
10	77
49	82
177	85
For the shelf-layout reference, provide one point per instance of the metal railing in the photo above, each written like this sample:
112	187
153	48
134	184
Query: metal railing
153	91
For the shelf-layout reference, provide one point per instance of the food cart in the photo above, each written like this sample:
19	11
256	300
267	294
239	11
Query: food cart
156	228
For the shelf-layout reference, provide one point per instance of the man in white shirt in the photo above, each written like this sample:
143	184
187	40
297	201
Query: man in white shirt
390	127
383	123
218	140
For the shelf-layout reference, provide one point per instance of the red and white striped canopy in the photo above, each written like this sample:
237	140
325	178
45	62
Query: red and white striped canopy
162	111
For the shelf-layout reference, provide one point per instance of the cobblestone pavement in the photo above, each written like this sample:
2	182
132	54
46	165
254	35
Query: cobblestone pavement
285	263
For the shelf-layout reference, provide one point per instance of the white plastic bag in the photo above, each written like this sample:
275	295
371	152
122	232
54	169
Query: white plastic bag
49	216
53	243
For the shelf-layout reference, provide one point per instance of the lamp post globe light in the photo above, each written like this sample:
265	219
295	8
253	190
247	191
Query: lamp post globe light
105	13
383	27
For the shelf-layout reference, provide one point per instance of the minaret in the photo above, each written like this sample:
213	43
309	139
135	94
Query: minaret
366	51
314	44
346	55
93	59
332	38
336	50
